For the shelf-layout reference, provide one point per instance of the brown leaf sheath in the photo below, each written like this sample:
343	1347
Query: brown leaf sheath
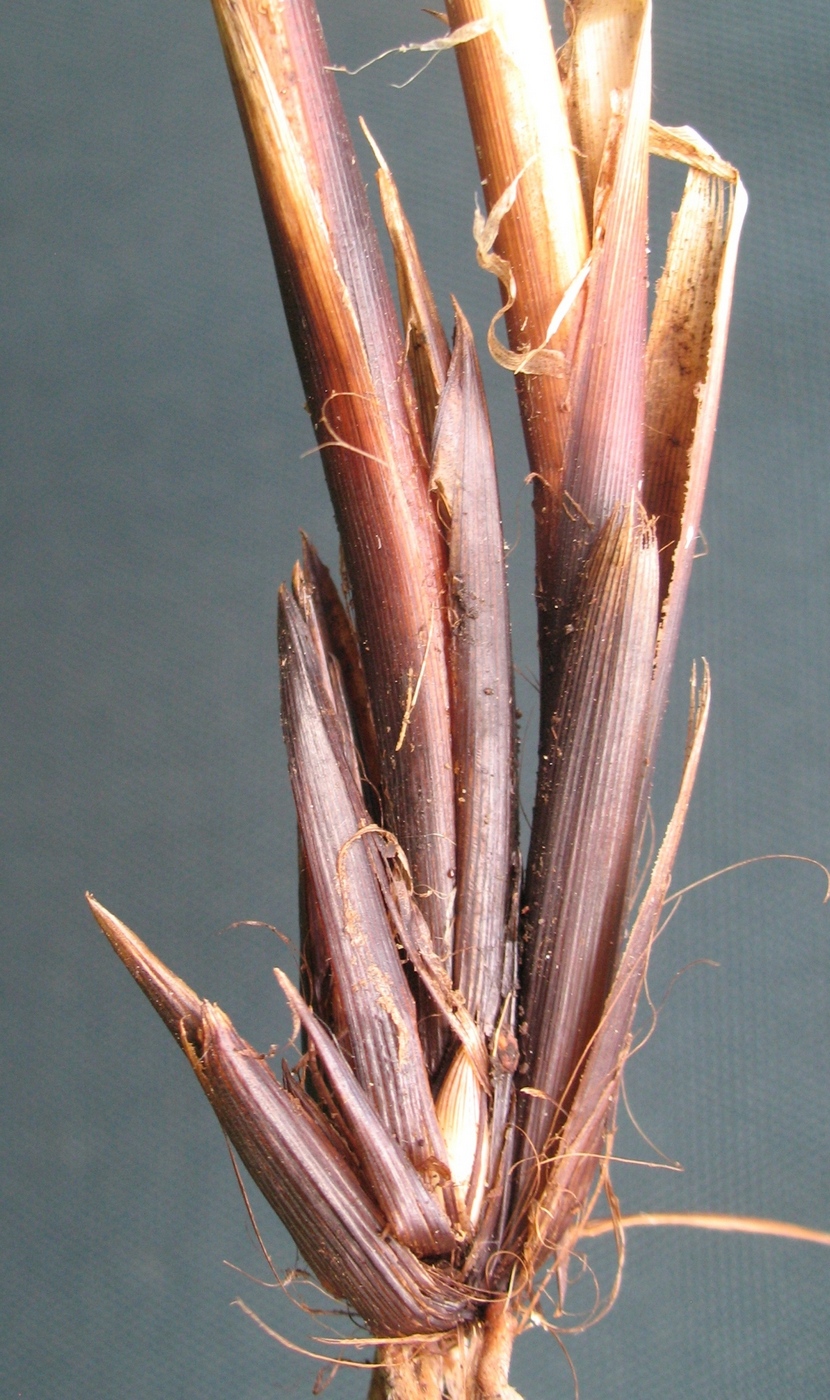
411	934
317	976
437	998
426	343
317	979
604	457
296	1165
318	1197
464	478
481	670
504	1061
684	372
328	675
377	1002
341	640
348	346
412	1213
519	123
560	1209
573	923
317	597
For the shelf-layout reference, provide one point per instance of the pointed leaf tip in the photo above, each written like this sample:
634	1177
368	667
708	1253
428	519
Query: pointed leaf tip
177	1004
464	482
294	1163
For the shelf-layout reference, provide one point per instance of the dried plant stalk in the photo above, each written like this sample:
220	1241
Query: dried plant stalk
443	1137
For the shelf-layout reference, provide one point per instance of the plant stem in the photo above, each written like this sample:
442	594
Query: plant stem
474	1367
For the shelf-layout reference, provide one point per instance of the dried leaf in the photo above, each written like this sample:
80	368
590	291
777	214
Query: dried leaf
603	461
684	144
604	456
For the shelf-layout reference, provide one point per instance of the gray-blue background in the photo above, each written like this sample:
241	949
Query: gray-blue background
152	436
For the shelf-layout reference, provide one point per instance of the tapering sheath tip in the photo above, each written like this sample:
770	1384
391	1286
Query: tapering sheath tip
177	1004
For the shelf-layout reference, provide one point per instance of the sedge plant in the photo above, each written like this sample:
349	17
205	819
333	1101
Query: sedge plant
439	1146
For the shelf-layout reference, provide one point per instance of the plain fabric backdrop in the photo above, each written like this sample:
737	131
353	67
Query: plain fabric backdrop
156	470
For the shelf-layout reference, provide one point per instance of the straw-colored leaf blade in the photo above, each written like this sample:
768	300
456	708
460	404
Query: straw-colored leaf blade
481	669
426	343
348	345
340	845
561	1207
584	834
412	1213
684	372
